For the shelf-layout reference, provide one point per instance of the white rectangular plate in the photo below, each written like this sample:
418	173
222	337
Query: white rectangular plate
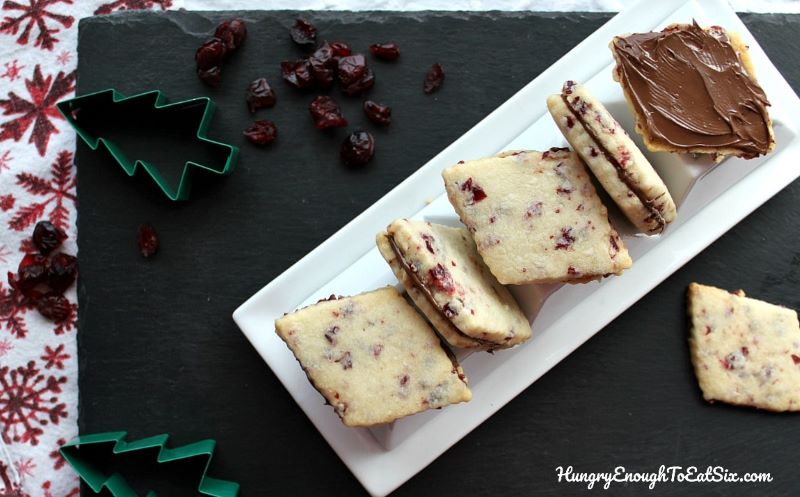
711	200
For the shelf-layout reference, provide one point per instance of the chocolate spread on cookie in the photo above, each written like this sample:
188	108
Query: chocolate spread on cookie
428	295
649	203
691	88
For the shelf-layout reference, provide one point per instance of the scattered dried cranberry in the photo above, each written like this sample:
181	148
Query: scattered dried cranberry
326	113
340	49
297	73
377	113
262	132
259	95
351	69
565	241
31	272
148	240
434	79
361	85
357	149
232	33
303	32
323	65
54	307
47	237
211	77
385	51
210	54
62	272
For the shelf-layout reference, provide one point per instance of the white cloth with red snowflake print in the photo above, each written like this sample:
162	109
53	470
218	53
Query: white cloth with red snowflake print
38	363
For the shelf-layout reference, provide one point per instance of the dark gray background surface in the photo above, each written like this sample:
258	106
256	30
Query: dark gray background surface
160	353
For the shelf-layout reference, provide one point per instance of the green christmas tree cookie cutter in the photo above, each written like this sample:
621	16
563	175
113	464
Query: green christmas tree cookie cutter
116	484
83	112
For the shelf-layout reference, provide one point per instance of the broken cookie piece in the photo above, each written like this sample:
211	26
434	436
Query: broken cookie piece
373	357
744	351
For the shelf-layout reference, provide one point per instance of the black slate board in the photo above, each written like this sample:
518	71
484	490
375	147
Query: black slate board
160	353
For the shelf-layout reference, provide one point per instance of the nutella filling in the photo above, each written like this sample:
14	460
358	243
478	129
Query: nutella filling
622	173
419	285
691	88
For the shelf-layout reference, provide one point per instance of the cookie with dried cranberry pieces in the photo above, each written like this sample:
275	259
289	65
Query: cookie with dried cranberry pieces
615	160
373	357
536	217
744	351
441	270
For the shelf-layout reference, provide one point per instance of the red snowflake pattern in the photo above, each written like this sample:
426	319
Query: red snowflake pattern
25	467
28	401
7	202
4	160
35	14
64	57
12	309
56	454
4	253
75	492
110	7
57	191
12	70
44	93
10	489
54	358
5	347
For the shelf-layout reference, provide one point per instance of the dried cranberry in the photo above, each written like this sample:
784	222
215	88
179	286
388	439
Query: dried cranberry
351	69
62	272
326	113
361	85
54	307
357	149
441	279
259	95
377	113
565	241
297	73
340	49
303	32
434	78
211	76
385	51
210	54
323	65
32	271
795	359
477	192
262	132
232	33
148	240
47	237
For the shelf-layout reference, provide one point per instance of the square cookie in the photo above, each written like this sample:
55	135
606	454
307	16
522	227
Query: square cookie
373	357
441	270
536	217
744	351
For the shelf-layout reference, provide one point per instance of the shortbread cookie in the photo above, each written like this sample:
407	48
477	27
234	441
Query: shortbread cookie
373	357
694	90
440	268
615	160
536	217
744	351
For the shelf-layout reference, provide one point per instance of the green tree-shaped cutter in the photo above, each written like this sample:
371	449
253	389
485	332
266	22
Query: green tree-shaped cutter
116	484
104	102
